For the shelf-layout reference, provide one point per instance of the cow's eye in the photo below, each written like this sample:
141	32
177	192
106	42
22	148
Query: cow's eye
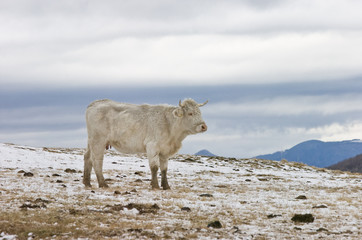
190	114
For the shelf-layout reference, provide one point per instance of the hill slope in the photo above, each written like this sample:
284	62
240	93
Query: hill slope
211	198
205	153
318	153
352	164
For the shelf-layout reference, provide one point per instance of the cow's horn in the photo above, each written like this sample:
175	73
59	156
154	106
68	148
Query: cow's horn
180	104
202	104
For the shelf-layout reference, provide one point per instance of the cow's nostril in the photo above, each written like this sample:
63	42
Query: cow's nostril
203	127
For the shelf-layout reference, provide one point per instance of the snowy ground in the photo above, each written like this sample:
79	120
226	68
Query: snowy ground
252	199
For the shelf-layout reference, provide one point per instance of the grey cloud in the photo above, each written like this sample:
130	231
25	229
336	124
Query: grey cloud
247	127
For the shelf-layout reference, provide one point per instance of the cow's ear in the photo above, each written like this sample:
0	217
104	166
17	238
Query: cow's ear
178	112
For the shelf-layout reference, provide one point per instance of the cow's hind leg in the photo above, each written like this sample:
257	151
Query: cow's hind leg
163	167
87	168
97	159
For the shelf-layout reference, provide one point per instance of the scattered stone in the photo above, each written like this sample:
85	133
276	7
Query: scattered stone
73	211
142	166
298	228
301	197
236	169
143	208
63	185
93	191
138	180
32	205
68	170
139	173
187	209
247	180
304	218
322	230
215	224
28	174
21	171
134	190
114	162
221	186
59	181
320	206
270	216
56	175
263	179
137	230
237	230
243	202
39	200
117	192
206	195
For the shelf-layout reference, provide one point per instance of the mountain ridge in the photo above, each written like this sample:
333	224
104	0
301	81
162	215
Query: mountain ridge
318	153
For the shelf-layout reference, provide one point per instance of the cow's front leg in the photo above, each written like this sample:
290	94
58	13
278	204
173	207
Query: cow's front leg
154	161
163	167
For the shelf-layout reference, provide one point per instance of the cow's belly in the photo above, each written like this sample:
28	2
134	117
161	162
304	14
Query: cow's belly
129	146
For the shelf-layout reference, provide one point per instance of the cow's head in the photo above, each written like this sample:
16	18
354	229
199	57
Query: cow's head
190	115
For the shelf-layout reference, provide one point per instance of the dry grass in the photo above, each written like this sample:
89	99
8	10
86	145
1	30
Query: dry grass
241	206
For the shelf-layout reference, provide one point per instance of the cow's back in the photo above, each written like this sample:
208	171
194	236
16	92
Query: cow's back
127	127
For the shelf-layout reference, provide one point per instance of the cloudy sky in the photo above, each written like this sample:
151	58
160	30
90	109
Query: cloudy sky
276	72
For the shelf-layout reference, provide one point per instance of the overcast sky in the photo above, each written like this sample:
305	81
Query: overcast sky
276	72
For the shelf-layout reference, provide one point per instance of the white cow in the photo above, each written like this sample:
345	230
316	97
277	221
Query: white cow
157	130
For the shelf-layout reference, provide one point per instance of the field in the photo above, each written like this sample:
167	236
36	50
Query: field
42	197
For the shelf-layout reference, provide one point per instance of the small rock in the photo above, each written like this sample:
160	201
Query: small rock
56	175
301	197
322	230
187	209
68	170
28	174
117	192
138	180
247	180
215	224
263	179
59	181
134	190
138	173
320	206
206	195
21	171
274	215
63	185
304	218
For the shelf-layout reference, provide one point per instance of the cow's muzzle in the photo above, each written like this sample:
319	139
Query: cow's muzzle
202	127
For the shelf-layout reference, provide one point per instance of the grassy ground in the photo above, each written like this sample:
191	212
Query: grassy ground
252	199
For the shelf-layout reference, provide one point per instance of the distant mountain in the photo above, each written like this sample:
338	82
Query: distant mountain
318	153
206	153
351	164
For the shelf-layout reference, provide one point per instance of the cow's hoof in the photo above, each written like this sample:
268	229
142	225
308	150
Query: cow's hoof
87	185
104	185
